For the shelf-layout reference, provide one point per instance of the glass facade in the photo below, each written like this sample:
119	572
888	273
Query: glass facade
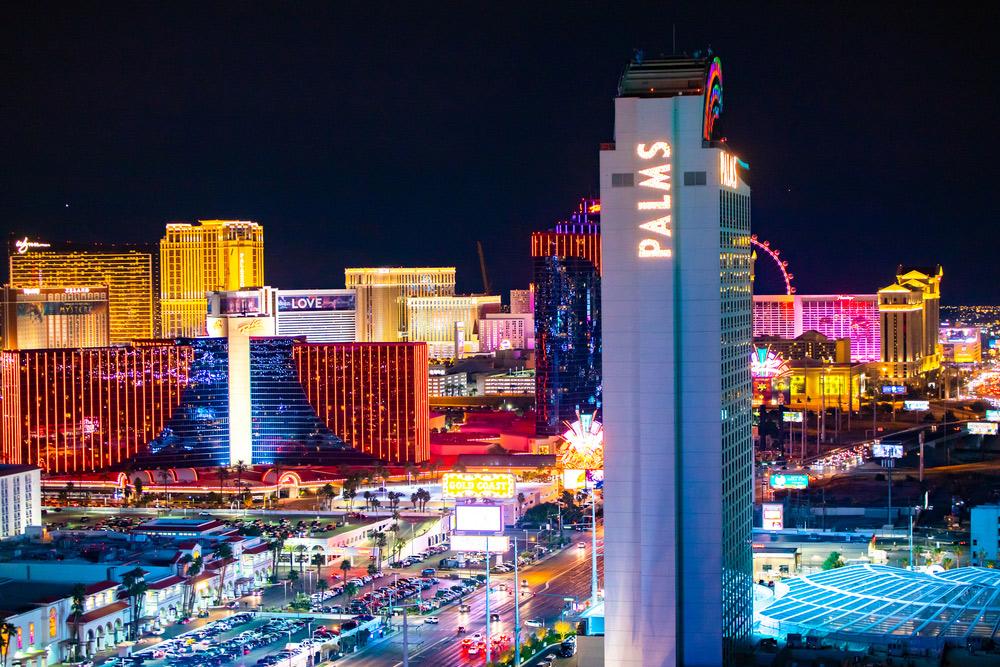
197	435
285	426
214	255
567	337
737	447
382	293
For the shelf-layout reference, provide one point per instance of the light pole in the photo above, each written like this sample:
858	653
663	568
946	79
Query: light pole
593	546
517	604
488	633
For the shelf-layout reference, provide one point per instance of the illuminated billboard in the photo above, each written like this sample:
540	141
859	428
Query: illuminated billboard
916	405
789	480
766	363
982	428
774	516
298	303
479	518
893	389
993	415
496	486
494	544
887	450
792	417
959	335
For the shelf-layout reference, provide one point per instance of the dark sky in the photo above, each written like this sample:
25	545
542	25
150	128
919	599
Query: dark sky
364	133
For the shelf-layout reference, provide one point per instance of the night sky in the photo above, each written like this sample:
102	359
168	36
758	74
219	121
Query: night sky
391	133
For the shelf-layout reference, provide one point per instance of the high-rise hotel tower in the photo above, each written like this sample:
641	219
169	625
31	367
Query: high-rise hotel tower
676	297
214	255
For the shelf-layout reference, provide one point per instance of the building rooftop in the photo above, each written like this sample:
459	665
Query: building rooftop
18	596
13	469
877	601
664	77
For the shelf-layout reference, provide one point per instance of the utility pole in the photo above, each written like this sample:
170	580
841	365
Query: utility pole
593	546
889	463
489	634
920	438
517	604
406	642
911	539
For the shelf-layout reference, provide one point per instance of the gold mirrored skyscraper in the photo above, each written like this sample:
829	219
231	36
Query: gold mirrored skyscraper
382	293
214	255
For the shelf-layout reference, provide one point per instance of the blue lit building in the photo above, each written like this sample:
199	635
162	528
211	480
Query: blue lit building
567	278
284	426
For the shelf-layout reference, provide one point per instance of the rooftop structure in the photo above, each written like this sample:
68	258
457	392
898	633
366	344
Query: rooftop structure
868	602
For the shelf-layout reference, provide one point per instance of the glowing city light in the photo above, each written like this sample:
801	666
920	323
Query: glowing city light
658	178
766	363
584	446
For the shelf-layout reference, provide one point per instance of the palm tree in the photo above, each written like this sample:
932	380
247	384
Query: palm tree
319	560
414	500
368	499
223	473
240	468
224	552
349	494
135	587
380	542
277	546
425	497
411	470
350	590
376	503
293	576
79	597
328	493
193	570
321	585
137	483
7	630
300	550
345	567
520	504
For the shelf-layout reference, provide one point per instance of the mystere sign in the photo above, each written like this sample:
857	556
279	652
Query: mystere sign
497	486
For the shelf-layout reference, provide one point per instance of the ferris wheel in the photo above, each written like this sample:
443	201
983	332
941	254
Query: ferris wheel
774	254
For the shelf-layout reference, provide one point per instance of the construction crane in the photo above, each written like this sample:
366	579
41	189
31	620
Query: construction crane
482	267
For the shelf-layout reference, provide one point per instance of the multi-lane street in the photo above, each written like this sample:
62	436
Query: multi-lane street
562	575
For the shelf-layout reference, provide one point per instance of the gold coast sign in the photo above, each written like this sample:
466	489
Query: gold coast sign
656	233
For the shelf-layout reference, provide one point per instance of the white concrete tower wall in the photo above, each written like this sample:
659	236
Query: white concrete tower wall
666	383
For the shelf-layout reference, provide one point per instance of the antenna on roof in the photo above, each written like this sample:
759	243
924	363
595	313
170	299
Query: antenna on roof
673	44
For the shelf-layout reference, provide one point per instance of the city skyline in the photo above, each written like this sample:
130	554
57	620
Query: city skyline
334	197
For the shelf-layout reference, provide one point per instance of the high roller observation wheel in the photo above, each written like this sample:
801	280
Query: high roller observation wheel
765	247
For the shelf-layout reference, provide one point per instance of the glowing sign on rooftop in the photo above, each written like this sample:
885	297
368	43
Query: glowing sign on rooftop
657	178
23	245
496	486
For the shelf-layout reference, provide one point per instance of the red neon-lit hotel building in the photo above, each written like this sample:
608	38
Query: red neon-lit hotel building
373	395
92	409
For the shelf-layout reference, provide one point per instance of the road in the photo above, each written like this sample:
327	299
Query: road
565	574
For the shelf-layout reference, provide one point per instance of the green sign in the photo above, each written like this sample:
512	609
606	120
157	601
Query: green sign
789	480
